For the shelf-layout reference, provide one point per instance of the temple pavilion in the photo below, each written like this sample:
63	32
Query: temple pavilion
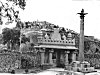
55	48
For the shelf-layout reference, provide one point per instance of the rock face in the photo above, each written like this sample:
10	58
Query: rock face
92	53
91	50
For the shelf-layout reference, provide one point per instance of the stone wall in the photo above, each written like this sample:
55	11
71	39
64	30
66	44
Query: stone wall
30	60
9	61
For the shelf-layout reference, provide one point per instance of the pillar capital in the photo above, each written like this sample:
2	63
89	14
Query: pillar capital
75	52
67	52
42	50
51	51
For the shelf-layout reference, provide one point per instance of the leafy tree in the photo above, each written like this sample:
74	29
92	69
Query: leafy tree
8	10
20	3
62	30
56	26
19	25
24	39
86	46
10	37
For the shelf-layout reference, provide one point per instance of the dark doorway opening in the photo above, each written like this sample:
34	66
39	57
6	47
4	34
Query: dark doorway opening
59	60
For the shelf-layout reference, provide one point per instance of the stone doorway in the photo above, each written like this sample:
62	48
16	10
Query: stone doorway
58	57
70	57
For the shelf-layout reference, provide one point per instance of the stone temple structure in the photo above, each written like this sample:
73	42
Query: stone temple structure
59	47
55	48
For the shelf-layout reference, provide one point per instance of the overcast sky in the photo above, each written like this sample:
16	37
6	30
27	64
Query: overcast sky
64	14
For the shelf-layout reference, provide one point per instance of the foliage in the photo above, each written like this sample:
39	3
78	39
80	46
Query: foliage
20	3
62	30
86	46
24	39
11	36
8	10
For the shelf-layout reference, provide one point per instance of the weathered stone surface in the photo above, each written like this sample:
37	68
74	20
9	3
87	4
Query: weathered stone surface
9	61
56	35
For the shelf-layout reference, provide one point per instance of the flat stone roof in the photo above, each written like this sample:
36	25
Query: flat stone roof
56	47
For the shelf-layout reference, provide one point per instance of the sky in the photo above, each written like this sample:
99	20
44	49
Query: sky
64	14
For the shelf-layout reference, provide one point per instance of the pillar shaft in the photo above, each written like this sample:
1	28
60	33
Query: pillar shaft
50	57
81	43
74	56
42	51
66	58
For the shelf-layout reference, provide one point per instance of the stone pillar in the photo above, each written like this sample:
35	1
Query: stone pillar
42	52
81	41
66	58
50	56
74	56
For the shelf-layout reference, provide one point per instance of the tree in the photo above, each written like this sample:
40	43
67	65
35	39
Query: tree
11	37
24	39
20	3
19	25
8	10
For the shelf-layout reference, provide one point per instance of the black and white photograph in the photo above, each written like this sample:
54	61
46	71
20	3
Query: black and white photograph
50	37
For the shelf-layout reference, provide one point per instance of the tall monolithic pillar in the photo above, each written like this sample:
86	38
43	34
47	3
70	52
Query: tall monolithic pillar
81	41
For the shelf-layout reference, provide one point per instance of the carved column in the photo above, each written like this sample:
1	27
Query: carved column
50	56
66	58
74	56
42	52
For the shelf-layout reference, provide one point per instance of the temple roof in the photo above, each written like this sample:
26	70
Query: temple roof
57	47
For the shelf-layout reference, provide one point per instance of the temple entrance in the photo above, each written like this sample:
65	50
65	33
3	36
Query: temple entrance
58	57
70	57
